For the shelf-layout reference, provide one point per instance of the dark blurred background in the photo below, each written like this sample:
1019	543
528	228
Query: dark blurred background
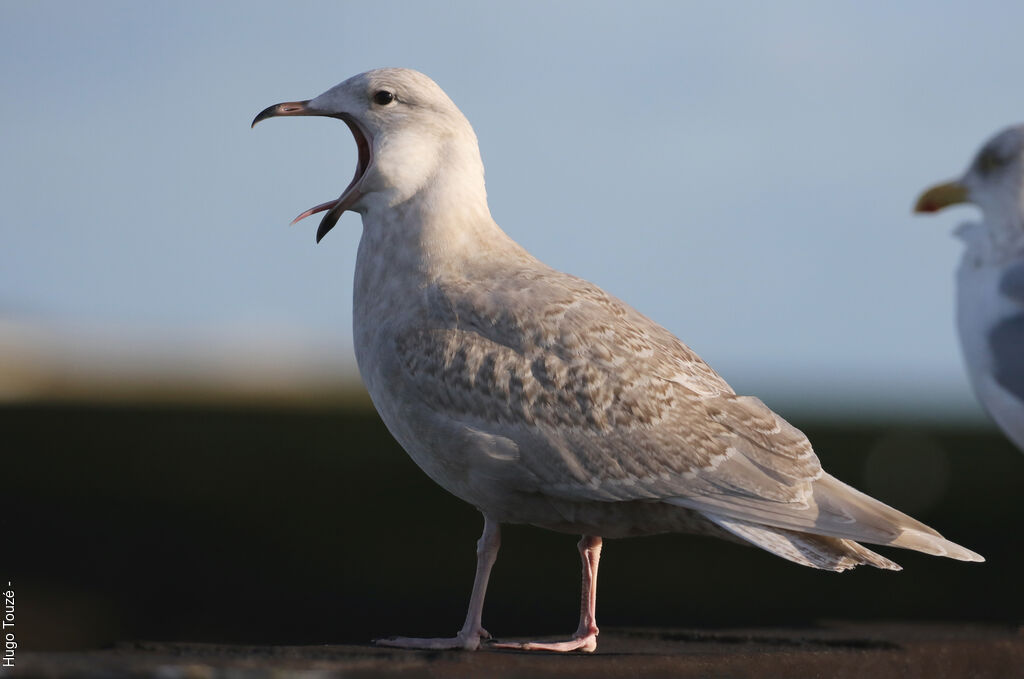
268	522
185	452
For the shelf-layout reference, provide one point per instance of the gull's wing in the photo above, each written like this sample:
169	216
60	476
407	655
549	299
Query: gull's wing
1006	338
603	403
1011	283
596	402
1006	342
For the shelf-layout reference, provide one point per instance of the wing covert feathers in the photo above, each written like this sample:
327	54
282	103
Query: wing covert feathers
602	404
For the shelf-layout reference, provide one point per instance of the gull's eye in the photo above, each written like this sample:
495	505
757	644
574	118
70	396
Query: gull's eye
989	160
383	97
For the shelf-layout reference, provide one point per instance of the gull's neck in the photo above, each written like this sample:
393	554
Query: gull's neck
995	240
1006	231
991	242
439	231
1002	208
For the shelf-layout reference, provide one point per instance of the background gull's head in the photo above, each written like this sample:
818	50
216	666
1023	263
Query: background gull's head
995	183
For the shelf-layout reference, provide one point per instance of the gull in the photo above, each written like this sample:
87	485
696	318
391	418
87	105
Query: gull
990	279
540	399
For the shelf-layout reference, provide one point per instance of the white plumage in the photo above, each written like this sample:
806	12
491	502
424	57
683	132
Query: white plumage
541	399
990	279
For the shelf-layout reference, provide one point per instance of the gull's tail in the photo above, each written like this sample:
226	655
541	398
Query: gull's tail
837	498
816	551
826	534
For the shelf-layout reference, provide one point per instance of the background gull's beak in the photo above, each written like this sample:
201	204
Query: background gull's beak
941	196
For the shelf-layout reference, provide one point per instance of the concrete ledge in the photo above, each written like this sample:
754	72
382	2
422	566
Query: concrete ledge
835	650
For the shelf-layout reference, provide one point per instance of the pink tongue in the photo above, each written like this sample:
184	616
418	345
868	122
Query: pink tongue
313	210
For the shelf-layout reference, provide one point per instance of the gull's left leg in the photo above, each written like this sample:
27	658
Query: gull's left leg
469	636
585	638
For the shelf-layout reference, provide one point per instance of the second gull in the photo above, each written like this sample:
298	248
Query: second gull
990	279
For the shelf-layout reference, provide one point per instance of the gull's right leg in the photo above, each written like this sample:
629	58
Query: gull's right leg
585	638
469	636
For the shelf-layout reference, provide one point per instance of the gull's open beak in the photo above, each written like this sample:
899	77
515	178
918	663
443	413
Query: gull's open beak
942	196
288	108
363	144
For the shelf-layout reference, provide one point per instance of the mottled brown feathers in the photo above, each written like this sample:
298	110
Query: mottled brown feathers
640	413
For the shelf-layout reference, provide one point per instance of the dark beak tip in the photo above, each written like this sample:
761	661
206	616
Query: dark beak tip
329	221
288	108
322	231
268	112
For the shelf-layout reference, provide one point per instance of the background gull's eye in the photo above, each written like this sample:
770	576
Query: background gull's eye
383	97
989	160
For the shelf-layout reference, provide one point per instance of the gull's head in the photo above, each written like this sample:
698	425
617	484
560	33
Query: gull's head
995	183
406	129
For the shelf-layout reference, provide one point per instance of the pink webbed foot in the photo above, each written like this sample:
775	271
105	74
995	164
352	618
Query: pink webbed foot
583	644
585	638
461	641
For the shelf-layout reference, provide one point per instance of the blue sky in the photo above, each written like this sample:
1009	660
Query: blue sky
741	172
